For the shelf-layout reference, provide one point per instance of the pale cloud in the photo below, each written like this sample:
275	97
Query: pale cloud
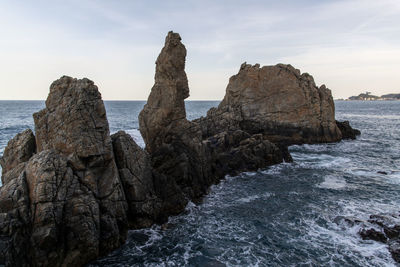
348	45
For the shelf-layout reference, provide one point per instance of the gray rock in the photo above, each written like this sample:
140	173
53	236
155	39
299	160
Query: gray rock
134	166
18	150
70	192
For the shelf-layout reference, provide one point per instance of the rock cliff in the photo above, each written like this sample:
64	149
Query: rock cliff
71	191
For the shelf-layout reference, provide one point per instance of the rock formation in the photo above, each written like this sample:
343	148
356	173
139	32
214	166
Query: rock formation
278	102
71	192
68	197
177	147
347	131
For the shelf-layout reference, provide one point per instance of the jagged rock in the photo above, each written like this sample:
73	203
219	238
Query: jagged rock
173	142
387	231
394	249
74	123
347	131
165	107
134	166
15	219
18	150
71	187
65	213
277	101
373	234
70	193
151	196
238	151
178	149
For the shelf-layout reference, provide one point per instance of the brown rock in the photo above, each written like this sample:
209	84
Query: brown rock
173	142
165	107
134	166
277	101
18	150
179	153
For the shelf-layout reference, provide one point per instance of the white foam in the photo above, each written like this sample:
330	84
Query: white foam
332	182
254	197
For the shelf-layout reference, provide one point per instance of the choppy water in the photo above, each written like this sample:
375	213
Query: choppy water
285	215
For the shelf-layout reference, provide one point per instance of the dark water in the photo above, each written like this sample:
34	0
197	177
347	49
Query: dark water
285	215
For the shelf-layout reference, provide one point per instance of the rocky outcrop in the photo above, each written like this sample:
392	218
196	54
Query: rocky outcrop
347	131
71	192
384	228
65	205
19	150
137	177
178	148
174	143
278	102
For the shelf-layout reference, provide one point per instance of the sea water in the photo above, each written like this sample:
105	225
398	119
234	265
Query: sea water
285	215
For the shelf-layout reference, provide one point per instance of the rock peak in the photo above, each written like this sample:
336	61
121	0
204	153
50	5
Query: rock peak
165	104
172	39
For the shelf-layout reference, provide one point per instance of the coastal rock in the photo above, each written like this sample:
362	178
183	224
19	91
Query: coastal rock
74	124
72	201
386	229
173	142
134	166
347	131
165	107
238	151
71	192
373	234
18	150
178	149
278	102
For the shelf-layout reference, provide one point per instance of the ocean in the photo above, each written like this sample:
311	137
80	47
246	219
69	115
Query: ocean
291	214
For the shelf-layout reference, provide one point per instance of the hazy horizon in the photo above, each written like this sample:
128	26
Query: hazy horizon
350	46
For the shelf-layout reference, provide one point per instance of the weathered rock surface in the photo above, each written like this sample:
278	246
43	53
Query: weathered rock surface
178	148
278	102
174	143
136	175
64	205
18	150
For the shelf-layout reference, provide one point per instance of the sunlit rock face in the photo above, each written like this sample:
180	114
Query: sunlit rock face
278	102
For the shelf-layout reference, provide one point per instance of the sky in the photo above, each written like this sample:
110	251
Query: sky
351	46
